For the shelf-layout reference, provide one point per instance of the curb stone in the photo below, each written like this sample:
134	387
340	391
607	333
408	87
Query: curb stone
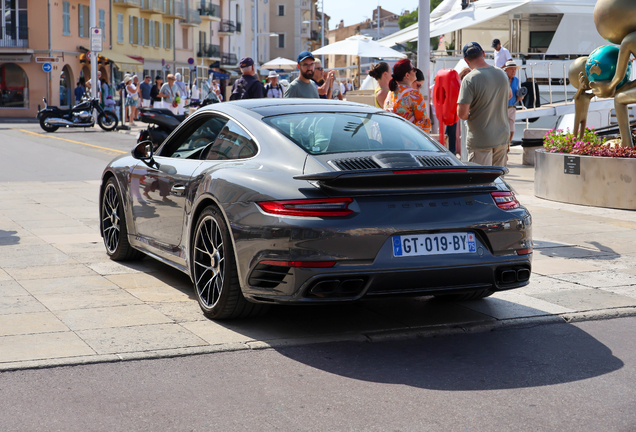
373	336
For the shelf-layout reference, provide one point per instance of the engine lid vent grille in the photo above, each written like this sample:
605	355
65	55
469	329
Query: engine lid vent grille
358	163
434	161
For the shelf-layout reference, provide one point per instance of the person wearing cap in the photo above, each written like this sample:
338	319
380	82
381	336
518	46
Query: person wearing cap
502	55
273	89
483	102
247	86
511	71
303	86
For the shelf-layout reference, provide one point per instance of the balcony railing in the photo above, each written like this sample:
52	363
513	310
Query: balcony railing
193	18
209	50
129	3
14	43
209	9
153	5
227	26
229	59
316	35
175	8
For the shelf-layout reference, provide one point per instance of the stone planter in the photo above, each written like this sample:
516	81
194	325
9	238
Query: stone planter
587	180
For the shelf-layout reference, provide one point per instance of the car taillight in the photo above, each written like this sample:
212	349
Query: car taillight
524	251
431	171
305	264
327	207
505	200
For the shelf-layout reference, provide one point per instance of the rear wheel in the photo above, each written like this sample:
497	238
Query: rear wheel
113	225
107	120
475	295
47	127
216	284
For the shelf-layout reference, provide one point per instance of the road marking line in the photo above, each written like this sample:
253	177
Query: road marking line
71	141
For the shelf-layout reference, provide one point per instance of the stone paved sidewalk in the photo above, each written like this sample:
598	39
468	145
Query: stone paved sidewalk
62	301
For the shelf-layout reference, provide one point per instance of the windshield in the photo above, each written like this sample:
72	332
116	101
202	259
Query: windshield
323	133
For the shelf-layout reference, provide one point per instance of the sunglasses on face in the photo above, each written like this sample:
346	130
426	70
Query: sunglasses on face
319	68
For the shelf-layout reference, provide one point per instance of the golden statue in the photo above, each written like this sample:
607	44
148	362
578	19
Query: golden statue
615	21
582	99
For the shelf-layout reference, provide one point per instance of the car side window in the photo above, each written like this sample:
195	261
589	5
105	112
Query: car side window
233	142
193	142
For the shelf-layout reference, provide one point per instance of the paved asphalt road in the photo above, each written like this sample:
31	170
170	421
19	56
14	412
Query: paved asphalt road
65	155
558	377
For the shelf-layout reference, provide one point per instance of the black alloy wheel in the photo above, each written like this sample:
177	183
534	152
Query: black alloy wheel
44	125
107	120
216	284
113	225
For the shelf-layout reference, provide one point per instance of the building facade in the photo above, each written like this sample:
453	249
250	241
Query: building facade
59	31
298	25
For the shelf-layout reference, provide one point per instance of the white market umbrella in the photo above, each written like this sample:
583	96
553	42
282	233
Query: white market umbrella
361	46
280	63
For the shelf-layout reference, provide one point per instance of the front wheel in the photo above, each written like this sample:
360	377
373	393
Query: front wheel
216	284
47	127
107	120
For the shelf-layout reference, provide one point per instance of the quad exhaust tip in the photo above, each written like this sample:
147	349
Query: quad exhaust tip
510	276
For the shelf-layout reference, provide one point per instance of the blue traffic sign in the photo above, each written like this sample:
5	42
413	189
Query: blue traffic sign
46	67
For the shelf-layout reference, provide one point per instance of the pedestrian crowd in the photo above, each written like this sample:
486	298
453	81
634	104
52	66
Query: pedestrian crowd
483	95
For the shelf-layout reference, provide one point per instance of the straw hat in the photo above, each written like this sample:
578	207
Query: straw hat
127	78
511	64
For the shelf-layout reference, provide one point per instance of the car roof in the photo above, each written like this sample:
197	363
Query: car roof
270	106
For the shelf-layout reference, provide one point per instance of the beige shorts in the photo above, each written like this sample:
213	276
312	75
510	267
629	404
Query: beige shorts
512	115
145	103
489	157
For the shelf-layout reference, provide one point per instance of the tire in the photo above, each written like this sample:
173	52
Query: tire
475	295
107	121
113	225
216	284
48	128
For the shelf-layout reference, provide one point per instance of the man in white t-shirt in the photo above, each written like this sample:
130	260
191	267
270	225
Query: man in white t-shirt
502	55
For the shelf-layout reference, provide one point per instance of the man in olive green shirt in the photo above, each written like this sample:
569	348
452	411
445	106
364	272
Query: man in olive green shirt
483	101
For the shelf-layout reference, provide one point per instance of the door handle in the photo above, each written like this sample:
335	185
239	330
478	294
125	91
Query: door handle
178	190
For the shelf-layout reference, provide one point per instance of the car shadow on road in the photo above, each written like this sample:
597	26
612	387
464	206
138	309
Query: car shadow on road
8	238
504	359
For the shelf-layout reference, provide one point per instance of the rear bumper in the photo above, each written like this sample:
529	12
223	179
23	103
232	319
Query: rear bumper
320	286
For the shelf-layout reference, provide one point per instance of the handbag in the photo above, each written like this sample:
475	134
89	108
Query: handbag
174	99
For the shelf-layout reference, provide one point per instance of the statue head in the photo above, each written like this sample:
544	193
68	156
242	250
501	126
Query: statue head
615	19
577	68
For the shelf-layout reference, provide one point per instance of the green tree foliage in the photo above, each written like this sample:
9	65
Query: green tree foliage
410	18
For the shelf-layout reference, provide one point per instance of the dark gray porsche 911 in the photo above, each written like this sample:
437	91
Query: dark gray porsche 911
298	201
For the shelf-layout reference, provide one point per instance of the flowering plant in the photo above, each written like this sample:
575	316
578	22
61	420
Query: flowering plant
559	141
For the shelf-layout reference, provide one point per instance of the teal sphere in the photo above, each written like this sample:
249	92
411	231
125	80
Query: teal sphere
601	65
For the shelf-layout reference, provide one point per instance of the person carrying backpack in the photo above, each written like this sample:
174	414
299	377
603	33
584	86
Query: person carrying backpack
247	86
273	89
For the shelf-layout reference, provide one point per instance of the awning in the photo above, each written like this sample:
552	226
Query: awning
219	75
469	17
452	21
121	60
405	35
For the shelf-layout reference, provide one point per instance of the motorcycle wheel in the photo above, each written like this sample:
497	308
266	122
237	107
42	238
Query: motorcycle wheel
47	128
107	121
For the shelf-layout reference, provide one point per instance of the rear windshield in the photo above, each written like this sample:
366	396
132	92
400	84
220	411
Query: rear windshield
323	133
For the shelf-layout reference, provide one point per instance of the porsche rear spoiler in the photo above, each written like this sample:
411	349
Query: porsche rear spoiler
407	180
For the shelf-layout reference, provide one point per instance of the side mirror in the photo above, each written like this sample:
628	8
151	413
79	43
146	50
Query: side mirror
144	152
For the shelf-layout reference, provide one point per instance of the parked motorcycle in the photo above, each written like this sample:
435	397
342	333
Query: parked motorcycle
161	121
81	115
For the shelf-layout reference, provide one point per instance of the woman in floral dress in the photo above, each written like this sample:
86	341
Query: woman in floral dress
403	100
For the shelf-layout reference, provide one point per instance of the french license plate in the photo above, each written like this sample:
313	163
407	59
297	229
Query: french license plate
434	244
